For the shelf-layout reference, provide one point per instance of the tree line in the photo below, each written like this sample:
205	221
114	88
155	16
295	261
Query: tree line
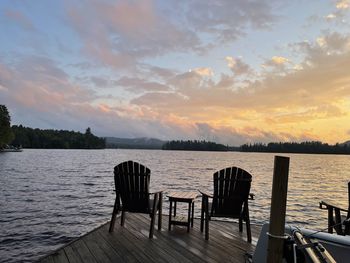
55	139
49	139
194	146
294	147
6	134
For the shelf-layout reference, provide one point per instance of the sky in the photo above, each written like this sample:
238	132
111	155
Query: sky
232	72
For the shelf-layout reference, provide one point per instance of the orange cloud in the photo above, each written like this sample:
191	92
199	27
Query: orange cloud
343	4
205	72
279	60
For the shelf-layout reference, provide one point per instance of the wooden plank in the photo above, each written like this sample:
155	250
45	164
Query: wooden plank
115	254
92	244
72	255
165	240
222	245
60	257
120	244
228	237
48	259
131	244
83	251
148	246
196	245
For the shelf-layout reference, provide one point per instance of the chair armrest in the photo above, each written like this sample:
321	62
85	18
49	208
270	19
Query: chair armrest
251	196
155	192
327	205
206	194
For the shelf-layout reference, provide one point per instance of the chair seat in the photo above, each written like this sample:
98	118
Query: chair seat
142	209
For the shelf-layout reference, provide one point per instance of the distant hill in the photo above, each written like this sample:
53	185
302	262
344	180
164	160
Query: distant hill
136	143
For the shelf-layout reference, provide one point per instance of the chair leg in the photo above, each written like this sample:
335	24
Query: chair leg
240	224
114	214
338	227
123	218
249	234
330	220
160	211
247	220
206	221
202	214
153	215
170	212
151	230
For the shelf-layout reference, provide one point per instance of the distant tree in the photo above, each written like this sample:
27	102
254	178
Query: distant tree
6	134
294	147
56	139
194	146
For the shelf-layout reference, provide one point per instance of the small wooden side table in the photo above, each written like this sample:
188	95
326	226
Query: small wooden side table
184	197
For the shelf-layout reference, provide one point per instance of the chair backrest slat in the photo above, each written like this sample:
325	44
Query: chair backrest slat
231	189
132	183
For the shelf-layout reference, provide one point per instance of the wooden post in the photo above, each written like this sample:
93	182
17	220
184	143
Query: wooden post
278	209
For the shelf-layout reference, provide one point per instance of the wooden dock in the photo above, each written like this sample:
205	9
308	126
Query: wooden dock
131	243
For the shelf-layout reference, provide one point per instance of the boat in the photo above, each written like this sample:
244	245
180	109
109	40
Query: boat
306	246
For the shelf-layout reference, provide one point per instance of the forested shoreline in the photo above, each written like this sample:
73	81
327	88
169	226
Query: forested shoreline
312	147
194	146
20	136
55	139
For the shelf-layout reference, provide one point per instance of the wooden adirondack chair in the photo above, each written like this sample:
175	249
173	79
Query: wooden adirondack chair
132	189
335	219
230	198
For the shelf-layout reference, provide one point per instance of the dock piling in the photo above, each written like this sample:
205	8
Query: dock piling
278	209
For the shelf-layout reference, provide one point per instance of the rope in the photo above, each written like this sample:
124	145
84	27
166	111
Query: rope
276	236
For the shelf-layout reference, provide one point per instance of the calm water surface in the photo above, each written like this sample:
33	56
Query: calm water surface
49	197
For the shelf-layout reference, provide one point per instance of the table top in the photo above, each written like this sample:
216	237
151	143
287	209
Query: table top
185	196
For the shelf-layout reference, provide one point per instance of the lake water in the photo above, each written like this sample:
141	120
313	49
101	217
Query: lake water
49	197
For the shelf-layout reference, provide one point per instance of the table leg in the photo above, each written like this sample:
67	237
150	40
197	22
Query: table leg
192	214
175	208
170	208
189	217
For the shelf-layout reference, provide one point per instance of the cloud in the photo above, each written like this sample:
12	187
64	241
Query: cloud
279	60
276	63
40	94
341	8
238	136
137	85
290	99
20	19
35	84
155	72
190	104
121	34
204	72
129	81
238	66
333	42
343	4
99	81
115	31
227	20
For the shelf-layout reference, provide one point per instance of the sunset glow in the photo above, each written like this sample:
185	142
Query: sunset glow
226	71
